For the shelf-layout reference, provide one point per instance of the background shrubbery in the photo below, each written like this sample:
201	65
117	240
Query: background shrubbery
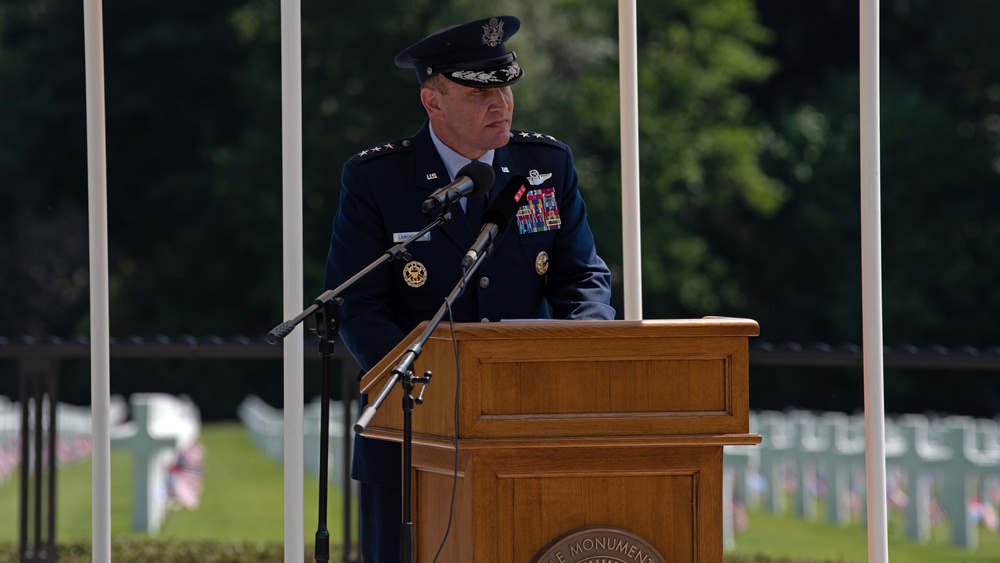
136	550
217	552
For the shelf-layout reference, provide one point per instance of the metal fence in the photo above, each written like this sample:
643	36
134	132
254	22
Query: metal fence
39	365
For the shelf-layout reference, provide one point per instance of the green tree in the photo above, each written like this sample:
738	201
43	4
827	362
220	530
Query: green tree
939	93
43	220
939	151
193	98
699	145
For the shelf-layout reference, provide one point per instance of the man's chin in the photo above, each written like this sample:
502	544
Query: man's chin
501	137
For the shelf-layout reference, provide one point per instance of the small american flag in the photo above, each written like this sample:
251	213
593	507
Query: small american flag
186	476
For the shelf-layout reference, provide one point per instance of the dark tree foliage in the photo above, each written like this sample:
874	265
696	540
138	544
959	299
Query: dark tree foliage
940	95
749	166
940	89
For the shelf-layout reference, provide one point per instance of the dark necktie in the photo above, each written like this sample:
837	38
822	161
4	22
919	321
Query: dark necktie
474	207
474	211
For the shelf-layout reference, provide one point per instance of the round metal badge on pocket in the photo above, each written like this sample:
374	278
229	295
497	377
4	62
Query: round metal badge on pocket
414	274
542	263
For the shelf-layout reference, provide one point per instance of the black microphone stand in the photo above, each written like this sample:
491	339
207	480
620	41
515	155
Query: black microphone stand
403	372
323	318
325	323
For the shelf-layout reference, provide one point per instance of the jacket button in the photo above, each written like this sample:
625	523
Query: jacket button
484	282
485	319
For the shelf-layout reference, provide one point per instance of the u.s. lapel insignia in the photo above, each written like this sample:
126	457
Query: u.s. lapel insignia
432	176
536	179
542	263
414	274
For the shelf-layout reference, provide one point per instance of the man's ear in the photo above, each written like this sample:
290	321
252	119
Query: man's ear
431	99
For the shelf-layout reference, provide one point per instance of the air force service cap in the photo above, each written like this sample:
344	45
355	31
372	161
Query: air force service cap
471	54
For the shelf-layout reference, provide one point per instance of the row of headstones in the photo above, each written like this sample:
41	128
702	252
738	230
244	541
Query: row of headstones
936	467
266	426
162	439
73	431
162	428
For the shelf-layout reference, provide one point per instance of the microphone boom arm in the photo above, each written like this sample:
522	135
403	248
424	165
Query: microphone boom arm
405	364
395	253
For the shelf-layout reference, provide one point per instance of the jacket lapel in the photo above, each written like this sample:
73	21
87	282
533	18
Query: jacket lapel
431	175
504	167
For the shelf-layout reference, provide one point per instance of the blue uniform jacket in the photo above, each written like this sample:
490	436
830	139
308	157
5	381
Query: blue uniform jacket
543	265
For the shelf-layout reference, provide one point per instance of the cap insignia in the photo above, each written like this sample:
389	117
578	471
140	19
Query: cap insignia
493	32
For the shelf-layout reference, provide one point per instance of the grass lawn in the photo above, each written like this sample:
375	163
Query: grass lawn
243	502
785	537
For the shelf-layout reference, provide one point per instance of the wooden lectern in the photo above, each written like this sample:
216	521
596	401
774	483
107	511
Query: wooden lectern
566	424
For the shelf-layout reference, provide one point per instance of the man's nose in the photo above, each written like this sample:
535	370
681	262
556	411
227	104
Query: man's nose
497	99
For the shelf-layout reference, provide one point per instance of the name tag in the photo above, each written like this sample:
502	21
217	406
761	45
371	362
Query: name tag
402	237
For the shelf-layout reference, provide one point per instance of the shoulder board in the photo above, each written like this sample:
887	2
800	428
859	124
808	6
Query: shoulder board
392	147
526	136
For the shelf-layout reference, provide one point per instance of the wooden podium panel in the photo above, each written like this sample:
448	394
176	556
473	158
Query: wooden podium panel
511	502
568	424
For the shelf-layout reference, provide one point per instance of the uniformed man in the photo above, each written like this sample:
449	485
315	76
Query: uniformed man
543	266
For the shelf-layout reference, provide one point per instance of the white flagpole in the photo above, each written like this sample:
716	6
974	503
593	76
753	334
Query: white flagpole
629	88
100	352
871	279
292	277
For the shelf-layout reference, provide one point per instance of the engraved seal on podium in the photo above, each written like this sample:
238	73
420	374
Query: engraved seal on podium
599	544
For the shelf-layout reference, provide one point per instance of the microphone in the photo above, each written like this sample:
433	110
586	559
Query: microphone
496	218
473	180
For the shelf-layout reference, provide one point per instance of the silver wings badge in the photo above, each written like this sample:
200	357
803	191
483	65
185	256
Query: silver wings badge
536	179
